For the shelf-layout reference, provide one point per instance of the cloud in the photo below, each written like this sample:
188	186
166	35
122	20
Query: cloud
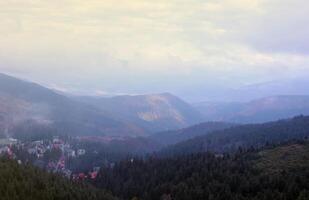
281	27
146	44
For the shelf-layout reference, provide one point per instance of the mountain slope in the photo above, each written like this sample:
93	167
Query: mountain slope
20	182
154	112
292	157
244	136
243	175
175	136
256	111
28	104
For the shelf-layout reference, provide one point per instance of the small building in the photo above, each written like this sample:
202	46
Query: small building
32	151
93	175
81	152
67	173
56	140
12	140
38	142
81	176
71	153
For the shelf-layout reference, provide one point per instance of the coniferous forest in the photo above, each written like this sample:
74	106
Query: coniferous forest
272	173
246	136
25	182
154	100
274	167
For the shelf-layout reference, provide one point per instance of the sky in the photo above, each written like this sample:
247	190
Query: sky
192	48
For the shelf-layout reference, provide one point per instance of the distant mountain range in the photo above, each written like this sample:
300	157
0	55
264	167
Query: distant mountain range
25	105
249	92
255	111
153	112
292	86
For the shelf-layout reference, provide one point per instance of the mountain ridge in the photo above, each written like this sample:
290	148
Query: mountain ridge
256	111
23	102
154	112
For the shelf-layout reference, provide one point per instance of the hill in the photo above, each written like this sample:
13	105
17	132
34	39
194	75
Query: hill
244	175
153	112
255	135
176	136
24	106
293	157
23	182
256	111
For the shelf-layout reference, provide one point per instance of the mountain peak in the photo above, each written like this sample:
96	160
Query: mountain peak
23	101
155	112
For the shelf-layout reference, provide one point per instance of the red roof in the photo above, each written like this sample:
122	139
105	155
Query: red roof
93	175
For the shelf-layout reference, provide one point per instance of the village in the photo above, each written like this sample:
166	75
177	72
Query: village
51	155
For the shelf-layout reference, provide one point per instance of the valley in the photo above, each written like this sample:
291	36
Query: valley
154	100
153	146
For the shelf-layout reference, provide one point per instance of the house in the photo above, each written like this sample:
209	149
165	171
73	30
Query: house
38	142
81	152
81	176
7	141
12	140
93	175
56	140
67	173
71	153
32	151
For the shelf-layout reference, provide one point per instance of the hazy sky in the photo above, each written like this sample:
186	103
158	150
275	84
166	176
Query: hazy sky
139	46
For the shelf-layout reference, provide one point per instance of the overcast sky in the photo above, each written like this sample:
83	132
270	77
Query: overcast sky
143	46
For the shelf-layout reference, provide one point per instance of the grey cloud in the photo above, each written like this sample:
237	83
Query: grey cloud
283	27
151	46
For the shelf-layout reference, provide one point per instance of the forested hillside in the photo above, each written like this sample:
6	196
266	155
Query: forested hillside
245	175
19	182
255	135
175	136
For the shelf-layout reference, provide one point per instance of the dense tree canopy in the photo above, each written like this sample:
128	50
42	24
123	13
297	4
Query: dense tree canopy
24	182
240	176
245	136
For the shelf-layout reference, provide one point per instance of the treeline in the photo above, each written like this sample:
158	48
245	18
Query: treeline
176	136
206	176
24	182
256	135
